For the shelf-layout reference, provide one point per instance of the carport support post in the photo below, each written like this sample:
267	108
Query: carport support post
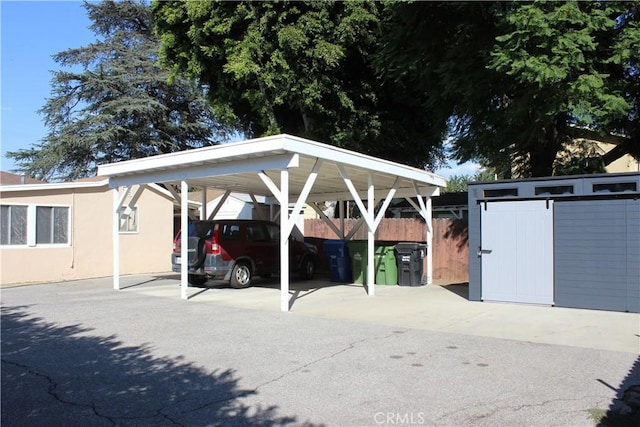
426	212
284	240
371	204
116	238
429	253
184	237
203	204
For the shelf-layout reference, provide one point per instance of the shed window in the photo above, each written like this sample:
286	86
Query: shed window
615	187
13	225
501	192
558	189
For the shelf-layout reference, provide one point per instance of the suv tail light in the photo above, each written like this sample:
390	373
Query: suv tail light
212	247
176	244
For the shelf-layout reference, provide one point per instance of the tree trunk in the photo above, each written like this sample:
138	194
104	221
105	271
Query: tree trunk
543	154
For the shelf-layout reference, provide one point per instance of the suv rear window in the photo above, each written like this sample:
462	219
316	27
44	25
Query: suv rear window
230	231
201	229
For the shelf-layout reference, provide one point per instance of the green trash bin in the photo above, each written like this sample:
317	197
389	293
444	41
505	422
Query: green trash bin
358	255
386	267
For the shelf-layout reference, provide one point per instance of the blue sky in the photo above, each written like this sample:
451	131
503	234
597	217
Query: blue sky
31	32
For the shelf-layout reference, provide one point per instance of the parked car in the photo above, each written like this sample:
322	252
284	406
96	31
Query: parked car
239	250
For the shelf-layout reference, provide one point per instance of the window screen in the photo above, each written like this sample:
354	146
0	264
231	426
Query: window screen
13	225
52	224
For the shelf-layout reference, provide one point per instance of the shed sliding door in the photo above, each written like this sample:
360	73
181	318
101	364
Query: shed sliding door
517	251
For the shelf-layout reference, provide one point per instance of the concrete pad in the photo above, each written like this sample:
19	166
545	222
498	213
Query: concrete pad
432	307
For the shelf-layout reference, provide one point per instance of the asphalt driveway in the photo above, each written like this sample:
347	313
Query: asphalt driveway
80	353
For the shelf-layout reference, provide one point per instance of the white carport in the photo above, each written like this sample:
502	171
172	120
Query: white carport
293	171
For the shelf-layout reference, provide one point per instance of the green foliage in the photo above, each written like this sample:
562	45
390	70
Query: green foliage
460	183
304	68
515	80
114	103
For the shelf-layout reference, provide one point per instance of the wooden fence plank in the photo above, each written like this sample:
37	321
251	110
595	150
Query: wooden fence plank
450	241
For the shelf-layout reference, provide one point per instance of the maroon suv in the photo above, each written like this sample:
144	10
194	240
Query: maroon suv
238	250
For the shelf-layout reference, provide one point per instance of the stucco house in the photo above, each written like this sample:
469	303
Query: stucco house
64	231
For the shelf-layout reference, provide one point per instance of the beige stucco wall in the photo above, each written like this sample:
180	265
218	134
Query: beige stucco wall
625	163
90	251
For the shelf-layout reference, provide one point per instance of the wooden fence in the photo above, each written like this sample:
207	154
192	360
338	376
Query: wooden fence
450	241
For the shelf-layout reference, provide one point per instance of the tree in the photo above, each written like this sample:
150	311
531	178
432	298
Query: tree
518	82
115	103
457	183
304	68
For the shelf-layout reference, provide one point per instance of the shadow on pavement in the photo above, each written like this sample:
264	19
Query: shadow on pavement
460	289
624	410
63	375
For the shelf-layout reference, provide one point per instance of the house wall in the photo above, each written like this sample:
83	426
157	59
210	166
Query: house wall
149	250
90	251
625	163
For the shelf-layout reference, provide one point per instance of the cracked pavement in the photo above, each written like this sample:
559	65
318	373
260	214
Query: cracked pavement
79	353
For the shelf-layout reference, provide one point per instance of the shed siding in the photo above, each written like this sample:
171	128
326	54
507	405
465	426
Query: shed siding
594	254
633	255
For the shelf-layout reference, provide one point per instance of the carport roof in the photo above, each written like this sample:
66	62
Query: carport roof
234	166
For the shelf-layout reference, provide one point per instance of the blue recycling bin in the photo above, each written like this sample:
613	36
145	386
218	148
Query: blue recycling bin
337	254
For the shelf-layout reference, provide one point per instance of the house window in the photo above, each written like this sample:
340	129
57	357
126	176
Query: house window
128	220
52	225
34	225
13	225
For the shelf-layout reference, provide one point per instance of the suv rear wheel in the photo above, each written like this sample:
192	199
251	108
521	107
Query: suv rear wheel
241	275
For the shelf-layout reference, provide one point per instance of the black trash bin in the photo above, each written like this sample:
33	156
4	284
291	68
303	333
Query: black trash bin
411	259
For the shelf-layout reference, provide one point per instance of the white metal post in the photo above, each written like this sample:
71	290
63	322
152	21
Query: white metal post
184	239
203	204
284	240
116	238
371	203
429	253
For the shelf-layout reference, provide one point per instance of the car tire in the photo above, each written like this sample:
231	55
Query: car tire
307	268
197	279
241	275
